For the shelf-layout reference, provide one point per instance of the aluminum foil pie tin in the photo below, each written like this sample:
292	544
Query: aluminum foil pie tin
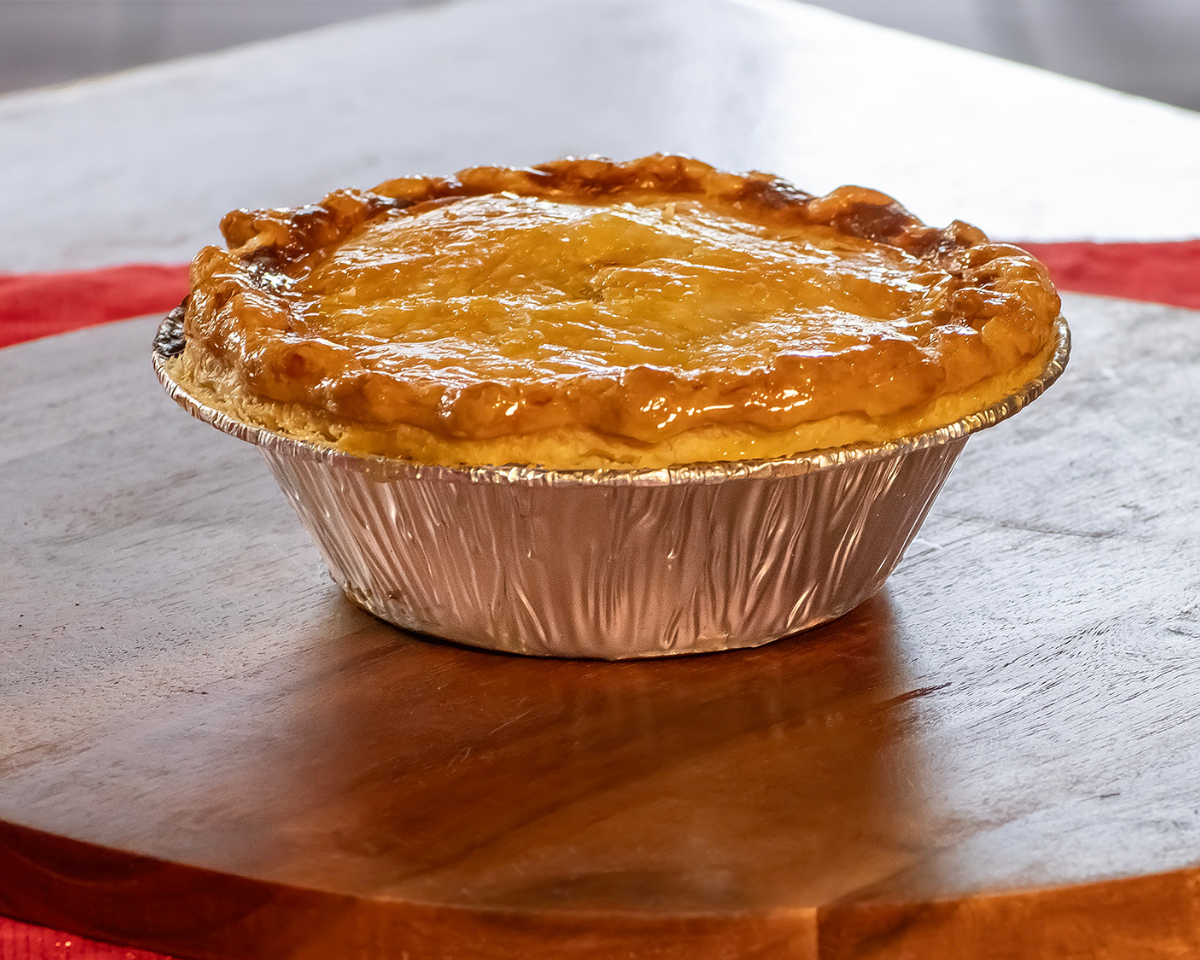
613	564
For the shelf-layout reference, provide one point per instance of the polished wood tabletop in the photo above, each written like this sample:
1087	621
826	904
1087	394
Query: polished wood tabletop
206	750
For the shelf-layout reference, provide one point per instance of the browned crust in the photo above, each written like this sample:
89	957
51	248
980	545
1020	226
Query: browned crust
291	234
238	317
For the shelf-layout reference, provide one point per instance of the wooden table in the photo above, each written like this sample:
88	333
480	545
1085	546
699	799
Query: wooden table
205	750
208	751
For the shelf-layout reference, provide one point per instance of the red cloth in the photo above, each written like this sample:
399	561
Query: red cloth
21	941
40	304
1160	272
36	305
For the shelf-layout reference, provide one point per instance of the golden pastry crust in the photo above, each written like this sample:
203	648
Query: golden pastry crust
587	313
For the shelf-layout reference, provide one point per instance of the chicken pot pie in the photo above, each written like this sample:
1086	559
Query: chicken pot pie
588	314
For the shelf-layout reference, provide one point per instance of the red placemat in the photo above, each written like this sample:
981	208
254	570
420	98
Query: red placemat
41	304
20	941
1159	272
36	305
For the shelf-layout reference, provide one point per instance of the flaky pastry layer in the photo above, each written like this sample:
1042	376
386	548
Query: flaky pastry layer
587	314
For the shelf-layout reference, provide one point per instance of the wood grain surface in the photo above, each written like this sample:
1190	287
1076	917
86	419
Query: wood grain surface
205	750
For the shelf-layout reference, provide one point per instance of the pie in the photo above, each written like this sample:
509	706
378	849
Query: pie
589	314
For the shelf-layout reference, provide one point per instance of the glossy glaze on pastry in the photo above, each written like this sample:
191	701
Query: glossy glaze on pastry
586	313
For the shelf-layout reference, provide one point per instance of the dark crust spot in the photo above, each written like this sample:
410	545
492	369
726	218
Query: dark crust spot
884	223
774	194
267	270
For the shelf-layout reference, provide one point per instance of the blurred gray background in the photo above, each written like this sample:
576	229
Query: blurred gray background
1147	47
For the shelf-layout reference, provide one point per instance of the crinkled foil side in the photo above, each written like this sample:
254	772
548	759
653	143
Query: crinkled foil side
614	564
615	571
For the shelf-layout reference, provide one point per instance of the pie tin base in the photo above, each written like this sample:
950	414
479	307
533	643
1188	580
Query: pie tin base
614	564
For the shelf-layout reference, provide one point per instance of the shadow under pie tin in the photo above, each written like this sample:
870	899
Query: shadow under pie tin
613	564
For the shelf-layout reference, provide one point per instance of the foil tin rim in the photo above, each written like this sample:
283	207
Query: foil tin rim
169	340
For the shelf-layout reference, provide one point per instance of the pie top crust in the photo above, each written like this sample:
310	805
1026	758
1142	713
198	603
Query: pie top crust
588	313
